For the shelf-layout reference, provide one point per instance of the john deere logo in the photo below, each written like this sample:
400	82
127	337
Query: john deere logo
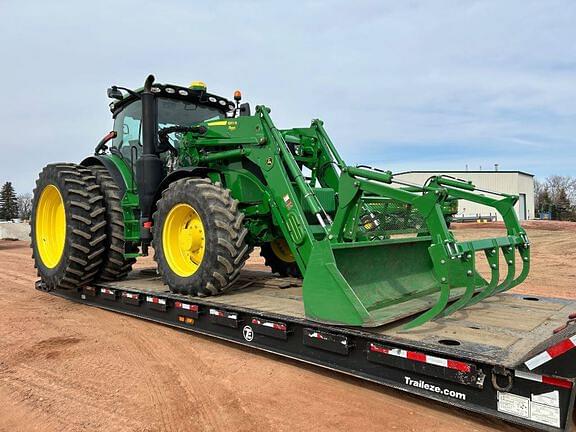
232	125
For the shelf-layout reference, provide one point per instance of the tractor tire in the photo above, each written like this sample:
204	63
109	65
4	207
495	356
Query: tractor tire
281	263
68	226
114	265
199	239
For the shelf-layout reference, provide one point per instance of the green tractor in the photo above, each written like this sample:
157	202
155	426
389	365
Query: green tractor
203	181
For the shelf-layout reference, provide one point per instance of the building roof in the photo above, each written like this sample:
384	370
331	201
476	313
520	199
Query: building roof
463	172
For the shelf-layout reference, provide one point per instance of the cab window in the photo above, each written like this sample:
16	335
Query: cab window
128	126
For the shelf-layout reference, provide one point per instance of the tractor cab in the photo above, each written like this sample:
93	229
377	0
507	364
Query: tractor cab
175	107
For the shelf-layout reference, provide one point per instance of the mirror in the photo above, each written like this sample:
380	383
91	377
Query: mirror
245	109
114	93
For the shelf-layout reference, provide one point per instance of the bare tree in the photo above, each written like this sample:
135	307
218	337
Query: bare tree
557	194
561	187
25	206
540	195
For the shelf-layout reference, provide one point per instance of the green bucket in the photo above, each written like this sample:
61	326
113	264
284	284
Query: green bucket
371	283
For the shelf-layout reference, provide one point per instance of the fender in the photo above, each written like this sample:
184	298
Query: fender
179	174
121	173
117	168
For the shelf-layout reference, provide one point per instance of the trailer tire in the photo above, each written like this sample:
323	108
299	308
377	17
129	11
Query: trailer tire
205	221
283	267
114	266
67	226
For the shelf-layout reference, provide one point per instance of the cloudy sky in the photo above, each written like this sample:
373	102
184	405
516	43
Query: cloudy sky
400	84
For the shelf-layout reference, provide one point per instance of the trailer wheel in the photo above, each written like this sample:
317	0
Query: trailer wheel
114	266
279	258
198	237
67	226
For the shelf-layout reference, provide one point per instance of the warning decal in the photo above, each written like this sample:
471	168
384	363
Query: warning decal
535	410
545	414
513	404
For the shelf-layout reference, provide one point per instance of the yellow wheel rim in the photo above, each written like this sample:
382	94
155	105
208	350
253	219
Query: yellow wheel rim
50	226
282	250
183	240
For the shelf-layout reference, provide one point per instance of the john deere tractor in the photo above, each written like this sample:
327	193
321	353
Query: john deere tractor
203	181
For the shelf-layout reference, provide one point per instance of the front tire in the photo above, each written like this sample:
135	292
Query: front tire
67	226
279	258
198	237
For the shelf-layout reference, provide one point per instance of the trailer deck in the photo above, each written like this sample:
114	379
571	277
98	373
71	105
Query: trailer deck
509	356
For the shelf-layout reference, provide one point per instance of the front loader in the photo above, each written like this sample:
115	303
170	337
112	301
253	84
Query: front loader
203	181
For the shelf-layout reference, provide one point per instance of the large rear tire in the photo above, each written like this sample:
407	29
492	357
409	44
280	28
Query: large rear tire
114	265
198	237
67	226
279	258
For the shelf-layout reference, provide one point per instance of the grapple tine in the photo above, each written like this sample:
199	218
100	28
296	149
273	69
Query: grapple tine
508	252
470	284
524	252
443	275
493	258
432	313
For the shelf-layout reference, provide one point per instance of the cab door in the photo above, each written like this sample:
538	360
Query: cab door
128	127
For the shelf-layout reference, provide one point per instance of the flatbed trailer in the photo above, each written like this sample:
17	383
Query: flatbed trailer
510	356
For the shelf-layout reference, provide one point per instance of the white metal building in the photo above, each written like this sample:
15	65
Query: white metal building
509	182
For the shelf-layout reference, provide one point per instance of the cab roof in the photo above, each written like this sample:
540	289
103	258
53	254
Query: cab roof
171	91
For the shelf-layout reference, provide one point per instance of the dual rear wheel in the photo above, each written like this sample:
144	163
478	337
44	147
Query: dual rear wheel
77	227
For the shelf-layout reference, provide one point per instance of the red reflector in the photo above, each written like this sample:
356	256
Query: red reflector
557	382
378	349
560	348
269	324
416	356
186	306
459	366
147	224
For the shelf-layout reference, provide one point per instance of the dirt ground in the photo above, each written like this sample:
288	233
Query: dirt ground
68	367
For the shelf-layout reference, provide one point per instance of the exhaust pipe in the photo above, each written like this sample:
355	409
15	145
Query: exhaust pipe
148	167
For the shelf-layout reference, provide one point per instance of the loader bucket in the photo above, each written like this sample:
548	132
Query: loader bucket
373	283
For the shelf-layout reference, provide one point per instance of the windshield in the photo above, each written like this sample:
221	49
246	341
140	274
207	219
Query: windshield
173	112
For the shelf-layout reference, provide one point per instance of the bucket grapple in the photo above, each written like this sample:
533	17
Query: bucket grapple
380	280
205	181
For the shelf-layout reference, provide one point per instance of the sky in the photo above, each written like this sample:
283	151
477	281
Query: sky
401	85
